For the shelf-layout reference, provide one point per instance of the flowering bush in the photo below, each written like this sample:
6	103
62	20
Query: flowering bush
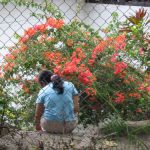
128	88
106	82
64	49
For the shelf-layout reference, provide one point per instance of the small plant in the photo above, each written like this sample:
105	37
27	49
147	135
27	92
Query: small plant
136	30
115	124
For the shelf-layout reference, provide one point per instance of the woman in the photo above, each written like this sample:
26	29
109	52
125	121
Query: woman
56	105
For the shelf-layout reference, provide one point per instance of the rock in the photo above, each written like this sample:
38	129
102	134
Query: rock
6	128
33	140
3	147
81	138
138	124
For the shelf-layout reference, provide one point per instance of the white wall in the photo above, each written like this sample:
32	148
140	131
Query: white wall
14	19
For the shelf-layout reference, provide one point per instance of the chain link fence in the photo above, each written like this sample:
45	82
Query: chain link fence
101	48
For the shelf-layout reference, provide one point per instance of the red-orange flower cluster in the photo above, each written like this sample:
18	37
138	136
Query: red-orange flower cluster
135	95
148	88
9	57
70	42
51	22
100	47
30	32
41	27
55	23
114	57
90	91
119	67
54	58
25	88
138	110
1	74
120	98
9	67
69	68
120	42
85	75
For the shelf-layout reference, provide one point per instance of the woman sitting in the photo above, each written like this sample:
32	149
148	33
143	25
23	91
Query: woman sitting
56	105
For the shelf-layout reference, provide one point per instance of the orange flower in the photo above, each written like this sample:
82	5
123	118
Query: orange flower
57	70
135	95
96	40
9	67
147	78
1	75
122	74
23	48
9	57
42	38
141	87
126	81
76	60
70	68
120	42
87	33
54	23
107	64
15	52
120	98
71	33
70	42
92	99
95	107
26	90
30	32
90	91
114	57
85	76
24	39
100	47
51	22
59	23
148	88
80	53
141	52
119	67
91	62
83	44
50	39
54	57
41	27
130	78
138	110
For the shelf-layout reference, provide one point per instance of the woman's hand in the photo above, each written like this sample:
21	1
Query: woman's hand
38	127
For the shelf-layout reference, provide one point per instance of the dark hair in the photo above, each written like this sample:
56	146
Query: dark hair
46	76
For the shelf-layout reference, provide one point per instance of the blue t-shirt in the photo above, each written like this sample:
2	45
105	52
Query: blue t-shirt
58	107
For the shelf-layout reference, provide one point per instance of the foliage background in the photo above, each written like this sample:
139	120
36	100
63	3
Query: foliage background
109	83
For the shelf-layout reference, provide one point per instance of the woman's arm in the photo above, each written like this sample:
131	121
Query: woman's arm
76	103
38	114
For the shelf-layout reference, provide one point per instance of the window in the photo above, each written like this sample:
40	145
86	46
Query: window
122	2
